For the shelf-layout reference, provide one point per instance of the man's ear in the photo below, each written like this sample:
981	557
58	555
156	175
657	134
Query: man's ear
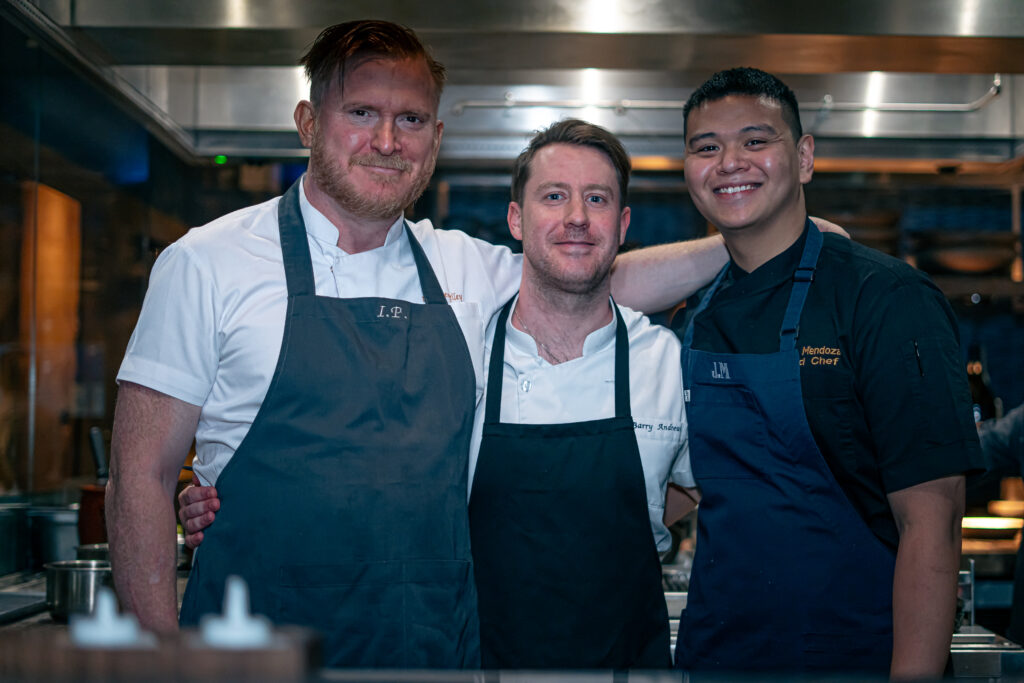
623	225
515	220
305	122
438	134
805	154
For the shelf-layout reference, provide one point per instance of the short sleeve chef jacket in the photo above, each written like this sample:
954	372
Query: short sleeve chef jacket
884	386
212	321
536	392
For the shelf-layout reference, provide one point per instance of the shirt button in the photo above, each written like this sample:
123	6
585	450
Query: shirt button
525	385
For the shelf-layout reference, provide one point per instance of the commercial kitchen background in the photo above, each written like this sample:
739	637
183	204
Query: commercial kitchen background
123	123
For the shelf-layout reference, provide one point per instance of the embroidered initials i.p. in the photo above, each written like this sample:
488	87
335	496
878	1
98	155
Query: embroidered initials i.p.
392	312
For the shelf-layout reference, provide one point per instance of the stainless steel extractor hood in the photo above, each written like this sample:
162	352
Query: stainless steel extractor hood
937	79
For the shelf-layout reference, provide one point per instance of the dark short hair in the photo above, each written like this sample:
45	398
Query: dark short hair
747	81
573	132
358	41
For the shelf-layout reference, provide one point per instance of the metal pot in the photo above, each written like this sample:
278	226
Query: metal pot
72	585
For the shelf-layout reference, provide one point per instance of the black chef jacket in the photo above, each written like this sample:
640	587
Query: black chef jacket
884	382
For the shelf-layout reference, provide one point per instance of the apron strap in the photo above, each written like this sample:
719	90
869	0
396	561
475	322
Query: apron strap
495	372
298	264
432	292
802	279
622	404
705	300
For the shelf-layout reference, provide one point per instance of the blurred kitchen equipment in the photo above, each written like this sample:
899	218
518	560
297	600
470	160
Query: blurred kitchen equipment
54	533
966	252
184	554
992	527
93	551
72	586
104	628
13	538
92	524
99	454
1006	508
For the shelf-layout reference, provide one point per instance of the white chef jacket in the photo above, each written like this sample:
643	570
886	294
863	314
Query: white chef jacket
535	392
213	317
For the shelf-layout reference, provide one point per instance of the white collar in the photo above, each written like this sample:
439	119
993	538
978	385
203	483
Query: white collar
324	231
597	340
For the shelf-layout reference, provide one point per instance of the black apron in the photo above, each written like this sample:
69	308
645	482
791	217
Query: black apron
565	560
344	507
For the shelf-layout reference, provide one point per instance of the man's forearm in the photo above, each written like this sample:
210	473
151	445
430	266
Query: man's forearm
152	434
924	602
657	278
143	550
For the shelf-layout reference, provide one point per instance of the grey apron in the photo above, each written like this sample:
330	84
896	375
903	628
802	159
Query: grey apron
344	507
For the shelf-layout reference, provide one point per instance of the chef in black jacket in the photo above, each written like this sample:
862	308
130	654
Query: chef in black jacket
829	419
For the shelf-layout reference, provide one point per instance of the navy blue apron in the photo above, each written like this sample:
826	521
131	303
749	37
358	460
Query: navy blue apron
566	565
344	507
787	576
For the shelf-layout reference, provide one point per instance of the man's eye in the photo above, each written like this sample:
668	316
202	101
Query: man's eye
596	199
703	149
553	196
359	113
755	142
412	118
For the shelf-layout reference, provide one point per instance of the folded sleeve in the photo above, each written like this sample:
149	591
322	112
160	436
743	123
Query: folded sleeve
175	346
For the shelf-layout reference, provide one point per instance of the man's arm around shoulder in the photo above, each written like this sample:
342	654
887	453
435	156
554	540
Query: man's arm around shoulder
152	435
928	517
657	278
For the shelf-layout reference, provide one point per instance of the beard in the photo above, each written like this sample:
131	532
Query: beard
554	276
391	194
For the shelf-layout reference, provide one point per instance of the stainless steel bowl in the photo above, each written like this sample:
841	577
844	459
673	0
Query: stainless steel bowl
72	585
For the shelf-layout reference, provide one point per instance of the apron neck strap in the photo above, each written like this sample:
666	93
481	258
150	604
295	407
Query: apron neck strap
298	264
622	405
802	279
432	293
705	300
803	276
495	370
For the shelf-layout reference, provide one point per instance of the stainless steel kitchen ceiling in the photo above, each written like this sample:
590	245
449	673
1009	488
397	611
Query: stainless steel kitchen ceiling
934	78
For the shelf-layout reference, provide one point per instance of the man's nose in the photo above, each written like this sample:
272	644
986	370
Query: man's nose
384	139
576	212
733	158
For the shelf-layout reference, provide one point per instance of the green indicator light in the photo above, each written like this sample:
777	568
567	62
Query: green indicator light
220	159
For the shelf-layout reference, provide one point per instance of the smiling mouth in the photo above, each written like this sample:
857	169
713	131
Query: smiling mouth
734	189
387	165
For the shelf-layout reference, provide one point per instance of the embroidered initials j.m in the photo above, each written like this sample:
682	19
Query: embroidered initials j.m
720	370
